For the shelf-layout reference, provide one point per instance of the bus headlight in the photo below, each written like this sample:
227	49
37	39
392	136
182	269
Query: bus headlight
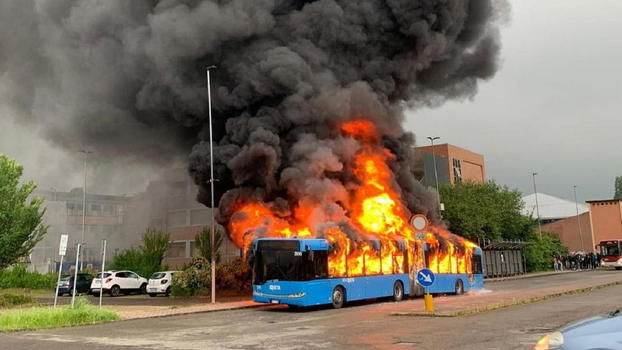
297	295
550	341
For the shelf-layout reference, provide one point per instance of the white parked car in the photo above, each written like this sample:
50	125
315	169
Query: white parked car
117	282
160	283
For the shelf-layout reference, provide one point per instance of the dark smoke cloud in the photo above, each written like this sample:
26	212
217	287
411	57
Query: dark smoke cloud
128	77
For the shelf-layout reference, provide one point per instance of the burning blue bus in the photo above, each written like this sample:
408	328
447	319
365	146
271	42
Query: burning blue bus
295	272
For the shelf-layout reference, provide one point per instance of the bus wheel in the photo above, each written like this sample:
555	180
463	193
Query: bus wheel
339	297
459	288
398	291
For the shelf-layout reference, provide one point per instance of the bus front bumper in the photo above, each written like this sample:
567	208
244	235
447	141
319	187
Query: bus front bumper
297	299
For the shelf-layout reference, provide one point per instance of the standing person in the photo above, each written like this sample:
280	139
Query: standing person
555	266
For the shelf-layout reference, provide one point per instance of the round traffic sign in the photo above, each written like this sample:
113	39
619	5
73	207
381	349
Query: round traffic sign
419	222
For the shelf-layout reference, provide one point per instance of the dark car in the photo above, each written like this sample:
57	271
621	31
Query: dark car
65	286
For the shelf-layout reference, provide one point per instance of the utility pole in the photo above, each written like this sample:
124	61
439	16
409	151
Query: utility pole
211	160
432	139
86	153
576	204
535	191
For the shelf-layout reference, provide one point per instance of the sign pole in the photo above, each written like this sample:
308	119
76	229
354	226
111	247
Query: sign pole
62	250
101	279
425	277
60	270
75	276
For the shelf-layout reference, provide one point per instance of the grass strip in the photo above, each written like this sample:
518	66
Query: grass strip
503	305
8	300
47	317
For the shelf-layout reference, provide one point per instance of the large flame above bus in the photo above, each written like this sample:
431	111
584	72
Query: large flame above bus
368	225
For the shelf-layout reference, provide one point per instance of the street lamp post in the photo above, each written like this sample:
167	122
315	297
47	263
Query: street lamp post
211	160
432	139
576	204
535	191
86	153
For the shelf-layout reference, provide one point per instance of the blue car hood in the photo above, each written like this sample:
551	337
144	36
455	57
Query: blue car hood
602	332
594	325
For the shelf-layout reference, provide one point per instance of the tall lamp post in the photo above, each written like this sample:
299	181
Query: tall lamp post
211	180
535	191
432	139
86	154
576	205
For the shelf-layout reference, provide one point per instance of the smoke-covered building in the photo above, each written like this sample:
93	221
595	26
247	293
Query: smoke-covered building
170	205
453	164
106	218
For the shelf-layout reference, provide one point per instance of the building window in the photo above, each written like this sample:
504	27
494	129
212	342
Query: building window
457	171
177	250
199	217
177	218
74	209
108	210
95	210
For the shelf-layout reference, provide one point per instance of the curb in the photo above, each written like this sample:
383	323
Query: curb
510	278
197	312
503	305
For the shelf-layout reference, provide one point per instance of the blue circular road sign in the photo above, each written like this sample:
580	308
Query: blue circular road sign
425	277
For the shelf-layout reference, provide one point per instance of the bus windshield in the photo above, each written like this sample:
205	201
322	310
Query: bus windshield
288	264
611	248
281	265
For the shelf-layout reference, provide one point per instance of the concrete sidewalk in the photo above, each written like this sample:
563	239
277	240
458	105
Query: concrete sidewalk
532	274
136	312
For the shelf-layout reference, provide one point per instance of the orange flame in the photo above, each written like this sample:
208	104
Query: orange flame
375	210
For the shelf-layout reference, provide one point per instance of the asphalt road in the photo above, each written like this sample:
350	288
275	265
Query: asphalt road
362	326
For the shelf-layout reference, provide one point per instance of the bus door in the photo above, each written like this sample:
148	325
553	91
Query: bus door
415	289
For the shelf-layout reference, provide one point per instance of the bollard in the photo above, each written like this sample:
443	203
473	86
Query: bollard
429	303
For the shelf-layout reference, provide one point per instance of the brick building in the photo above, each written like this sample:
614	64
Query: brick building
170	205
453	164
602	221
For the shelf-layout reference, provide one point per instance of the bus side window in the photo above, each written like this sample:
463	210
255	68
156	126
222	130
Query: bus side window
320	261
476	264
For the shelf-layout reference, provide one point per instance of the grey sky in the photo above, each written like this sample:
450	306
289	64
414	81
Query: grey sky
553	107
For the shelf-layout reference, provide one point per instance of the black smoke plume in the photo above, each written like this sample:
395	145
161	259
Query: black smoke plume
127	78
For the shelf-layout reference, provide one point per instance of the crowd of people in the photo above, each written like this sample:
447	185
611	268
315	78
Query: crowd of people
576	261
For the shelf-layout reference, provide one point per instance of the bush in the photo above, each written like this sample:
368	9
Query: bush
194	279
539	253
234	277
47	317
19	277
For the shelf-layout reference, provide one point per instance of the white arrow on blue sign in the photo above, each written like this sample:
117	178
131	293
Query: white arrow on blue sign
425	277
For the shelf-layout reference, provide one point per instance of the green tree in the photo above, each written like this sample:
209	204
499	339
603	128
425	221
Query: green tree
155	243
618	188
486	210
203	243
21	215
540	252
146	258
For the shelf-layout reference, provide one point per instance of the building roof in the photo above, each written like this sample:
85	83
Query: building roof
551	207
